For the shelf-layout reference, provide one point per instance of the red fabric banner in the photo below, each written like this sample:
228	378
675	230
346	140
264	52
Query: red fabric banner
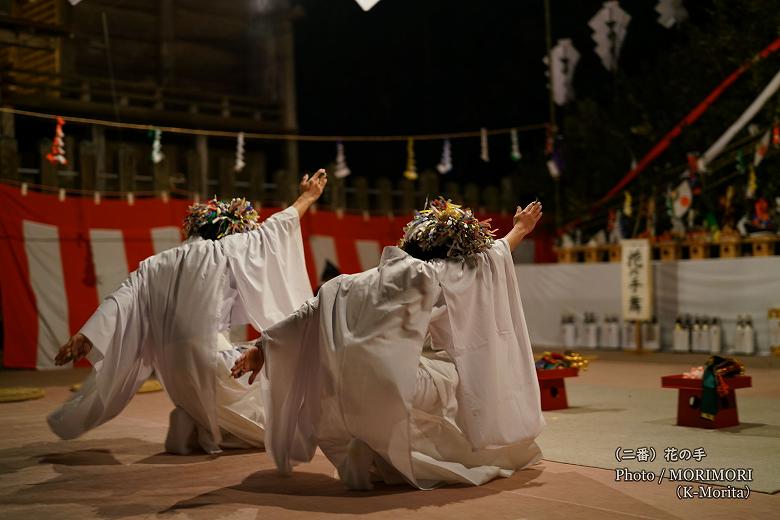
58	259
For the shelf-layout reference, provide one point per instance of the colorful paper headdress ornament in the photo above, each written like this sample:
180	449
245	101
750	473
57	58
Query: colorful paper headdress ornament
222	218
446	230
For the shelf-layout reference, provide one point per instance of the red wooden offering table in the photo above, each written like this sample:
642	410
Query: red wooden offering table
689	401
553	387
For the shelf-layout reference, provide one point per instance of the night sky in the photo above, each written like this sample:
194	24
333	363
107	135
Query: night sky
410	66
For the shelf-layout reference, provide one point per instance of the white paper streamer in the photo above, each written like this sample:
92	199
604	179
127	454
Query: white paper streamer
157	154
762	148
609	30
564	61
240	163
515	153
671	12
445	164
364	4
411	167
341	170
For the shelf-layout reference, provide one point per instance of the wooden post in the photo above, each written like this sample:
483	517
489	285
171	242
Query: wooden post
202	149
286	191
255	164
471	196
407	196
362	199
491	197
127	168
193	172
385	199
164	170
507	196
99	141
48	170
338	193
227	177
429	184
9	155
452	191
87	166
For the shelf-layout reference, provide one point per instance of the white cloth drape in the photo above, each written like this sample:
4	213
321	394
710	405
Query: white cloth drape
168	317
342	373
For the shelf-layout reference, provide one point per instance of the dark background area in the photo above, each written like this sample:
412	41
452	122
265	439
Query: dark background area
438	66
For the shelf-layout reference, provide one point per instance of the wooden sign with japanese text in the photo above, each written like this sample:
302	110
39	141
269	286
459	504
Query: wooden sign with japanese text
637	280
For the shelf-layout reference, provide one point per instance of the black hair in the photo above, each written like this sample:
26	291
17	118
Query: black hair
436	252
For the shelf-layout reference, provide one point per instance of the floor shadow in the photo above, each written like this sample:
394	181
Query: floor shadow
88	457
746	429
754	430
586	409
91	452
319	493
165	458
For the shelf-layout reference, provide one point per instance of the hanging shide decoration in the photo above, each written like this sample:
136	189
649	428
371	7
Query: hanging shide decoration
240	163
445	164
57	154
628	208
564	61
411	168
671	12
341	170
681	199
515	151
752	184
609	30
157	154
762	148
555	165
483	145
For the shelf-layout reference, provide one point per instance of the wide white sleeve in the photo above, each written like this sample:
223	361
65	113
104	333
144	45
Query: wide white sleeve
498	394
290	380
119	358
269	268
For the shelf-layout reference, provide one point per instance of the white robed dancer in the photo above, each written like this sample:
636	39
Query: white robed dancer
172	314
345	372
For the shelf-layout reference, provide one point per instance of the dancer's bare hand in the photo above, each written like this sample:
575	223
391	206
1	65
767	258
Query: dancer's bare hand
250	361
312	187
525	220
76	348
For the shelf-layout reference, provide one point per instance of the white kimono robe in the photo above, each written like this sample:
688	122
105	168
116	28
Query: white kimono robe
344	372
170	316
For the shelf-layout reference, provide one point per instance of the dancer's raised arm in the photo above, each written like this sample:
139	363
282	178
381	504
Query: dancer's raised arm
310	189
524	222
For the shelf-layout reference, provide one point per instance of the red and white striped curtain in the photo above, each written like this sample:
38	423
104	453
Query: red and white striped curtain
58	259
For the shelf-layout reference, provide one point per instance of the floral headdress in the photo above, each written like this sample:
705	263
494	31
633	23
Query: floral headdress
236	216
444	225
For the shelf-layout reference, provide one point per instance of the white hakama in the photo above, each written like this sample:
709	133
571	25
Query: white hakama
171	315
345	373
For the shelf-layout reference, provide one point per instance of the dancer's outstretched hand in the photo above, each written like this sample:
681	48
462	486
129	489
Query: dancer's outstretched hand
313	187
525	219
250	361
76	348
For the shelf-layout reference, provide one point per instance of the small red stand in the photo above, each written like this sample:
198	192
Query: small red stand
689	400
553	387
